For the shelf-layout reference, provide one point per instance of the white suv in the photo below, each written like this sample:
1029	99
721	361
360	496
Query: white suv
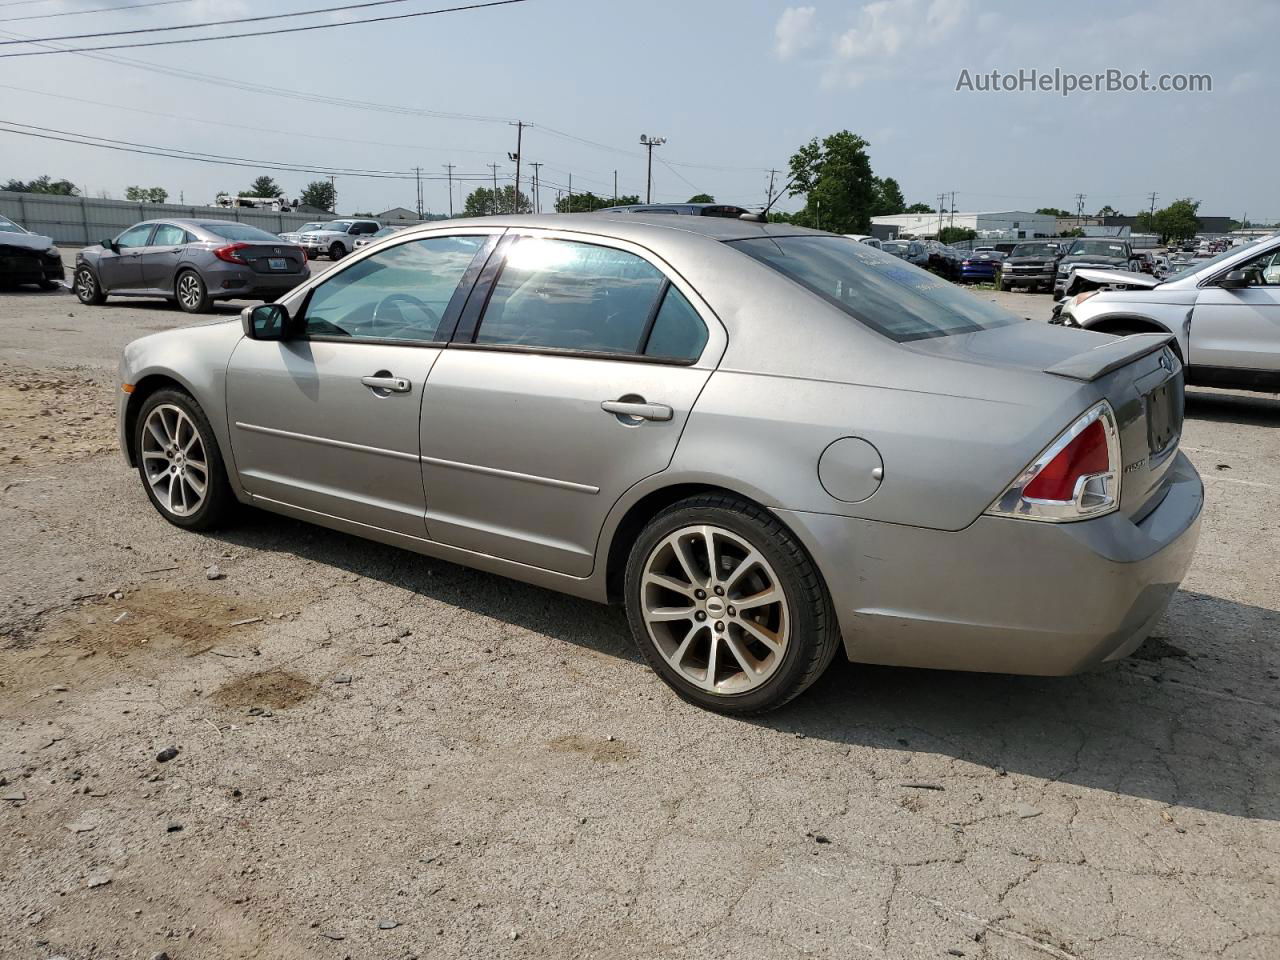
1224	314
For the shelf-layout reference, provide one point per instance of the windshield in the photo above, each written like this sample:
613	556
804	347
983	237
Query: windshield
386	232
892	297
238	231
337	226
310	226
1034	250
8	226
1098	248
1198	265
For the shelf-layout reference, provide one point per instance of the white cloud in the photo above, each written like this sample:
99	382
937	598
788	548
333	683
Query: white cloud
795	31
886	28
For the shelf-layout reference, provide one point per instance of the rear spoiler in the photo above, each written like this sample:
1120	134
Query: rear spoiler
1102	359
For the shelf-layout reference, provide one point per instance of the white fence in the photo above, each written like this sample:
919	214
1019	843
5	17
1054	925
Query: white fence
84	220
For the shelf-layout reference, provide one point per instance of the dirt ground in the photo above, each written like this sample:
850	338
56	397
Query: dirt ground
373	755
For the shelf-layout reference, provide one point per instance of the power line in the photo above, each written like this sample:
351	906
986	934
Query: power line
267	33
76	13
211	23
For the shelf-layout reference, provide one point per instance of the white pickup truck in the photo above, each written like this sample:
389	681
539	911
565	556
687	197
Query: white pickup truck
337	238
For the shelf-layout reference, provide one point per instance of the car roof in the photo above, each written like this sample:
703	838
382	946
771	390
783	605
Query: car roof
632	226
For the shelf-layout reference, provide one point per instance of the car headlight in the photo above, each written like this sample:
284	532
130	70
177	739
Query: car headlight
1063	271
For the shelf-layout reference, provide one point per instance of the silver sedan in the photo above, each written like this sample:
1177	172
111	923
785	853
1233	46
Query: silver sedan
769	444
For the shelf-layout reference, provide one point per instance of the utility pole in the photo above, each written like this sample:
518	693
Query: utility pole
417	173
494	168
519	125
953	208
649	143
570	193
1079	210
615	187
942	206
537	195
334	183
449	168
1153	203
768	200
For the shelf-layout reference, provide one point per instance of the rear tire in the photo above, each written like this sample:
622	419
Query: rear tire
88	290
727	607
179	462
192	294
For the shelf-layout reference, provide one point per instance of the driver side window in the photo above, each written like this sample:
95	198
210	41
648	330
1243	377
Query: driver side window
400	293
134	236
1264	271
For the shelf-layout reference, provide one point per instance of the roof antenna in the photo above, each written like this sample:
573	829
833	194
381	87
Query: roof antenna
763	215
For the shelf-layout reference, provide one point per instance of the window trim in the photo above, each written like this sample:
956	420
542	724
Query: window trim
448	319
469	326
186	236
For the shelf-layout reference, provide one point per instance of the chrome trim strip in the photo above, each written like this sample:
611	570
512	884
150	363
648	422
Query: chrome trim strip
326	441
513	475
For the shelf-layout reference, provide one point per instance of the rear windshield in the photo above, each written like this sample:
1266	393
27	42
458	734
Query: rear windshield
889	295
238	231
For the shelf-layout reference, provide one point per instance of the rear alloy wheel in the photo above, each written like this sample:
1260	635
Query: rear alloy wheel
726	606
87	289
193	296
179	461
336	251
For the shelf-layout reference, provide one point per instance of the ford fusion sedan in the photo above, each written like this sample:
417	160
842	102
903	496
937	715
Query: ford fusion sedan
190	262
770	445
27	257
1223	313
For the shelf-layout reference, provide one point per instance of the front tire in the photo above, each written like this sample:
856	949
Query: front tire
336	251
179	462
727	607
191	292
88	290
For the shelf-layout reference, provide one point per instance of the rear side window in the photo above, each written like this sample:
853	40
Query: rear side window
167	235
566	295
678	332
889	295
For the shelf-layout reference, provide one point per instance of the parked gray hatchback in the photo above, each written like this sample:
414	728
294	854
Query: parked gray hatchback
191	262
769	444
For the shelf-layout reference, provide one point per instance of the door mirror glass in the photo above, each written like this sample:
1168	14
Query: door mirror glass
266	321
110	244
1234	280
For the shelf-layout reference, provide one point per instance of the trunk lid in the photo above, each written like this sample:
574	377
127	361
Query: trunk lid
268	257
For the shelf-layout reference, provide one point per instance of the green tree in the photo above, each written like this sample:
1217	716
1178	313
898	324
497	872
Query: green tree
319	193
1109	211
587	201
264	186
701	198
919	208
1054	212
835	177
1178	220
956	234
45	184
146	194
484	202
889	199
1073	232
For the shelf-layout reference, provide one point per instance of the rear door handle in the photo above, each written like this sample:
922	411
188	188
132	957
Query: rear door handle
387	383
637	409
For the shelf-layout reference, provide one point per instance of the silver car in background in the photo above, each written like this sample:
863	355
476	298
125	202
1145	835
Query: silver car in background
191	262
769	444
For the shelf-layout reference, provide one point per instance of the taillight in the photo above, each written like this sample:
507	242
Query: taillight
230	253
1076	477
303	251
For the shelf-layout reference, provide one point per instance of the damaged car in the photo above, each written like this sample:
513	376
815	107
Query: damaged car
27	257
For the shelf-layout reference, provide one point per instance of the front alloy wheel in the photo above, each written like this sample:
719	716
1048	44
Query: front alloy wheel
87	289
179	461
727	607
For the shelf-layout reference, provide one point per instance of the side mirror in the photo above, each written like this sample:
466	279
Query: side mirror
266	321
110	244
1234	280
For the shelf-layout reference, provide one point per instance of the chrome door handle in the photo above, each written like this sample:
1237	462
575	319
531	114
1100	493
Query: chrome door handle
638	409
390	384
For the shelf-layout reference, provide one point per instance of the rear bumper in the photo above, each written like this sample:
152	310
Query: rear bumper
247	285
1005	595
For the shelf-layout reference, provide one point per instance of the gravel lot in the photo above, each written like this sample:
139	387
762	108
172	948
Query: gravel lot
383	756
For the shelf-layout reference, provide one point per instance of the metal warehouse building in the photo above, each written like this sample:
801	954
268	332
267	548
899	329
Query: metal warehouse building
992	225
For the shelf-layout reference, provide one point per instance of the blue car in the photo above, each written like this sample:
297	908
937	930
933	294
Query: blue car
981	266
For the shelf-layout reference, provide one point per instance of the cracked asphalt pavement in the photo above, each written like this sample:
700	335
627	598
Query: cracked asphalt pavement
384	756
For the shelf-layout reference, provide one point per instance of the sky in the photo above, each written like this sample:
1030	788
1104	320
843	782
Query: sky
735	87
